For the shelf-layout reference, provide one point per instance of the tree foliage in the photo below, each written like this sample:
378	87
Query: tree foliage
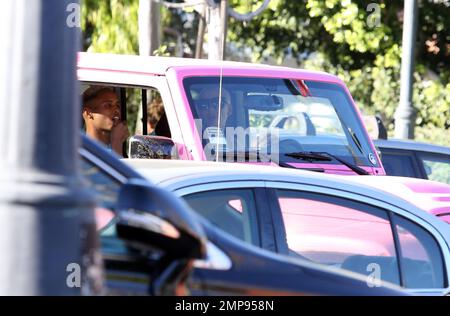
110	26
360	41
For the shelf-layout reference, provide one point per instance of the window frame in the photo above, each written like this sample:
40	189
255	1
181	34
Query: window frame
280	230
264	226
335	200
186	82
421	155
137	81
417	166
395	223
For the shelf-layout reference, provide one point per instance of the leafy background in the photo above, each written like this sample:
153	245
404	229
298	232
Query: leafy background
330	35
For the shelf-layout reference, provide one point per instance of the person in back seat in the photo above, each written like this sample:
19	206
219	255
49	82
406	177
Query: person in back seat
157	123
155	110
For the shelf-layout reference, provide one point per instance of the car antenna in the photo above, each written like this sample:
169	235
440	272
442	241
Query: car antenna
219	107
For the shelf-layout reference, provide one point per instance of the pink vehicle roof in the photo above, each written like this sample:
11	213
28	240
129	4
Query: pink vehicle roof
186	67
431	196
159	65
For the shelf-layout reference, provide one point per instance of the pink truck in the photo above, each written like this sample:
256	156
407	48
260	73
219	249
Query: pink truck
247	113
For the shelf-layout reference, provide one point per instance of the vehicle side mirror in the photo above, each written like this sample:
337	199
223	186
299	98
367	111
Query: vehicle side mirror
151	218
152	147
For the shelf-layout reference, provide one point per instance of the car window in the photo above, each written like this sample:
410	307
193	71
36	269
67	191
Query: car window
106	190
436	167
339	233
397	164
421	258
277	116
233	211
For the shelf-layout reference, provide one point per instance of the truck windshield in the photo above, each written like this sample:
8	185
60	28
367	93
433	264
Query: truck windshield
277	117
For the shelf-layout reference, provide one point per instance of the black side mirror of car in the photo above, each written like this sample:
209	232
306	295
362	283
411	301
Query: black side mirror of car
151	218
152	147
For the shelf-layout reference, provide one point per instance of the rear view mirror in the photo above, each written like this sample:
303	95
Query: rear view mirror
150	218
152	147
263	102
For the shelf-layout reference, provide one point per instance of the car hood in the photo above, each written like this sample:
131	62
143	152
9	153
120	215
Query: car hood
431	196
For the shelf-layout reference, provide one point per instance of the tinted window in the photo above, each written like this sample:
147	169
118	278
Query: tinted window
436	167
422	261
233	211
397	164
277	116
106	190
339	233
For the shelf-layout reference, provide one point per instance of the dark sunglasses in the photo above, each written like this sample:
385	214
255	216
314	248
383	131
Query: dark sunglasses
213	103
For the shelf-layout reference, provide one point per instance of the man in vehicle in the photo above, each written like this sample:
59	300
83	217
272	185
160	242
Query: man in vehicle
208	106
101	115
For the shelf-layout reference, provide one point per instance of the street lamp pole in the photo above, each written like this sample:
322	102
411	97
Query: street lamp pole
149	27
217	29
47	228
405	114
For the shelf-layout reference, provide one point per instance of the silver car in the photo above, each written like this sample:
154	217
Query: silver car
321	218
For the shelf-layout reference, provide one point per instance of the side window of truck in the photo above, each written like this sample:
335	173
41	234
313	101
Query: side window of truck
141	107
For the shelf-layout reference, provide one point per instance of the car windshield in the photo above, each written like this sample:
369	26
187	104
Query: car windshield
277	116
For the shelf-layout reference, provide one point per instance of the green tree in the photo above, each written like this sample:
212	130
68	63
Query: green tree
361	44
110	26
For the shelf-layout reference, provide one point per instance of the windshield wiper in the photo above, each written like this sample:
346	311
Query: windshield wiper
324	156
256	156
355	140
352	134
286	165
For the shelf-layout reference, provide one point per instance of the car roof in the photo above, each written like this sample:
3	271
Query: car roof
175	175
411	145
161	171
156	65
428	195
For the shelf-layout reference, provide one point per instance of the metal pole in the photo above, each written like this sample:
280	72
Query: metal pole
214	32
217	28
149	27
223	27
405	114
200	34
47	227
